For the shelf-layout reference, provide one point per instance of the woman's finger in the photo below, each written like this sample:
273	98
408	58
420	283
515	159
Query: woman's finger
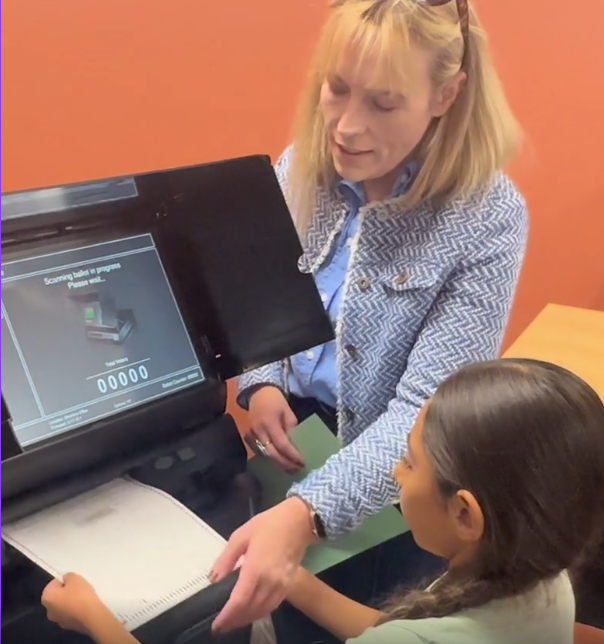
282	444
268	437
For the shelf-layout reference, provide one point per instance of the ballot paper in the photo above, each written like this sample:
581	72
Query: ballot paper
142	551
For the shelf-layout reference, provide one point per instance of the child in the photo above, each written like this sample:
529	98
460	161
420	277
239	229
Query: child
504	478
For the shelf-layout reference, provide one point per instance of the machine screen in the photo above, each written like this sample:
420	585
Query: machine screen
88	332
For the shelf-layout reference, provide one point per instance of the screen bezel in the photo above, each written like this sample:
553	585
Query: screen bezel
139	427
248	302
10	445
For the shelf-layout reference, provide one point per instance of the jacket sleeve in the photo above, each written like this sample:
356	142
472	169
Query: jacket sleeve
274	373
466	324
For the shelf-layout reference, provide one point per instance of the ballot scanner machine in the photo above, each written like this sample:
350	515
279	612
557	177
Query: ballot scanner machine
126	305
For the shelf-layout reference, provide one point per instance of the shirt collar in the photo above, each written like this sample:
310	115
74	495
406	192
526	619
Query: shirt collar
354	190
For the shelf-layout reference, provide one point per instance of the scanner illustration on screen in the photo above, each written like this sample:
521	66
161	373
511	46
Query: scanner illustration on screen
103	321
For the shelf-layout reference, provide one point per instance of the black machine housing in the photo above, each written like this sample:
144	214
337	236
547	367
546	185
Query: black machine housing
230	253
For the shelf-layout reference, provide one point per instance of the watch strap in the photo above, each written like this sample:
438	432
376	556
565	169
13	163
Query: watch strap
316	523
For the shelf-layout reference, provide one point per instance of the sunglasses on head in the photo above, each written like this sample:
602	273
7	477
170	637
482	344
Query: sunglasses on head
464	22
463	11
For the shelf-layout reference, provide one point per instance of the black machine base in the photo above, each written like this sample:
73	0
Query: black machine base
224	502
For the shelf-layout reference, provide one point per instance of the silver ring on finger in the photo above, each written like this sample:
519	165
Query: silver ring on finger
262	447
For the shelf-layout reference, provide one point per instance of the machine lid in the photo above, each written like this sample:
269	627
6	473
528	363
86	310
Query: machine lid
229	239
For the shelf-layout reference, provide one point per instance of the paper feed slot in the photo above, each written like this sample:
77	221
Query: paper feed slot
143	551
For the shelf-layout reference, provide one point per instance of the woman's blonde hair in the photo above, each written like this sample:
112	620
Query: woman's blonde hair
461	151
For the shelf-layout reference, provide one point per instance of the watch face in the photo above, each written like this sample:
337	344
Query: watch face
318	524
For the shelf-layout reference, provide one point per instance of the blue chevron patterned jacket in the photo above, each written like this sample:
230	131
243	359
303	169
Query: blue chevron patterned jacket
426	292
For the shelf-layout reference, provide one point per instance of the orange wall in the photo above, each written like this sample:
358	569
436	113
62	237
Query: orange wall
557	92
97	88
93	89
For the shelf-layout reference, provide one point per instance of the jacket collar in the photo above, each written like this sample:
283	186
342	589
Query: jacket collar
332	208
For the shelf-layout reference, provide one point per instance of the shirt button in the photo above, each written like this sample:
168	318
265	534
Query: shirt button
324	297
364	284
349	242
310	355
352	351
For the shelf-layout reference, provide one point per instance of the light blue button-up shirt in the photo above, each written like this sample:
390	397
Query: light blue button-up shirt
314	372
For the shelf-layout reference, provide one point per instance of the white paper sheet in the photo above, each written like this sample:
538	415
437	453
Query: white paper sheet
143	551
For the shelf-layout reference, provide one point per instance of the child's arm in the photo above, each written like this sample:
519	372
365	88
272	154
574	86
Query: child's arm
342	617
104	628
74	605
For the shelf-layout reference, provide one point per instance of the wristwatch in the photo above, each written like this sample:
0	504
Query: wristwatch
316	523
318	527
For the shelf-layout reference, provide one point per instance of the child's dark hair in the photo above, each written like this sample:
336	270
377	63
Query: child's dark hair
526	438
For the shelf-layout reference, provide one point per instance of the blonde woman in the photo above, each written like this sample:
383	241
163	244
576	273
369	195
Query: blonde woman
416	239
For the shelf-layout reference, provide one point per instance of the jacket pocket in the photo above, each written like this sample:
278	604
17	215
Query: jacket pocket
403	278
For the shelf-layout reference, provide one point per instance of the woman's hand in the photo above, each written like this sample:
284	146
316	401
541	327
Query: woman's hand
271	418
72	604
272	545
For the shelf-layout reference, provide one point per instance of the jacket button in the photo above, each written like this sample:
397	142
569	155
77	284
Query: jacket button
364	284
401	279
348	415
352	351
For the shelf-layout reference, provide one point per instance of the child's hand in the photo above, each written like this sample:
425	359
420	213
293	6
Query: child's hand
72	604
